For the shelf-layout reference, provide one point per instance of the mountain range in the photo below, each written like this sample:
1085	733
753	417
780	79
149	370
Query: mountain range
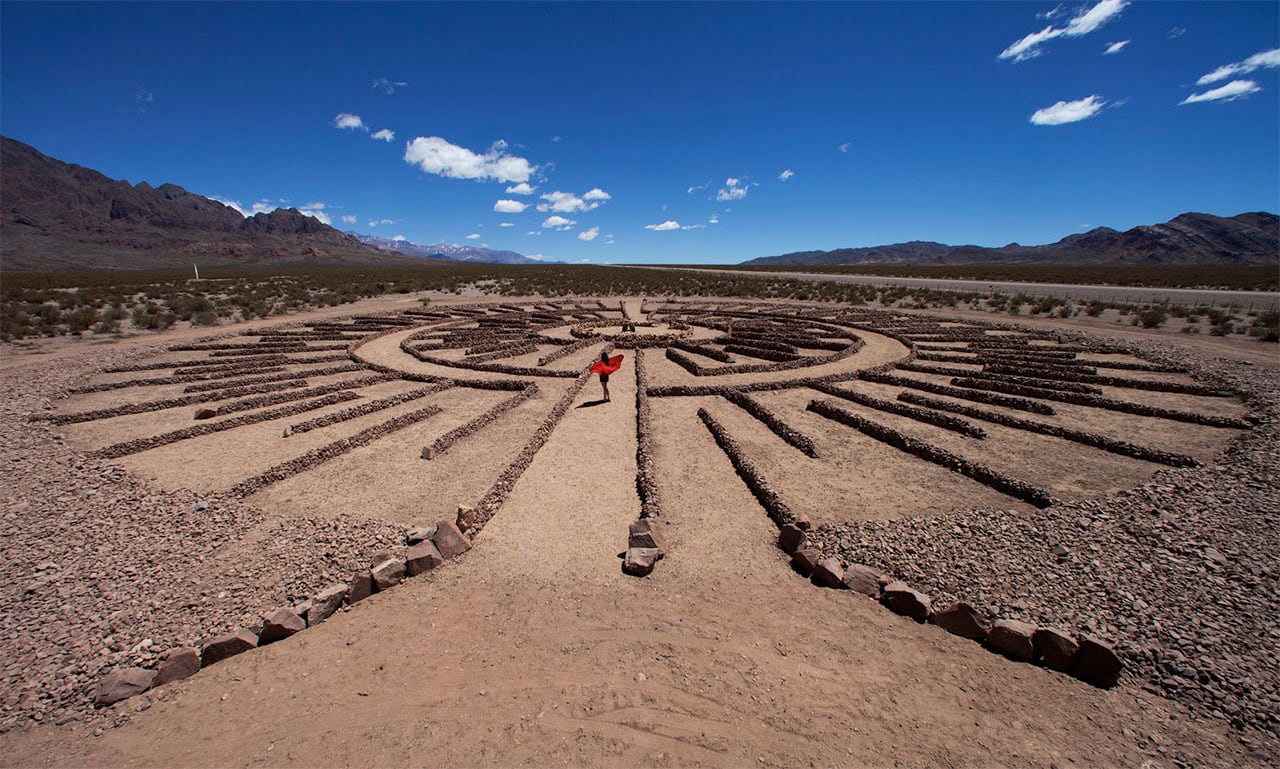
446	251
1251	239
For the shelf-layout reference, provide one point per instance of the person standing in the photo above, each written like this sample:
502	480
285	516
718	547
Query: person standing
604	367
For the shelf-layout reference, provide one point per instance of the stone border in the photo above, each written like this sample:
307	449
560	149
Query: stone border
444	442
954	424
778	510
365	409
1020	404
790	435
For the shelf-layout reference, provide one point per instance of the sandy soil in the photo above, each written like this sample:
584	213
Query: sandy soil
534	649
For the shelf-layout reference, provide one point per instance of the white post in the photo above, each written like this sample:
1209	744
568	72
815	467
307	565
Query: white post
197	269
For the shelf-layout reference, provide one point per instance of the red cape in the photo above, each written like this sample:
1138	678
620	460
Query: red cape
600	367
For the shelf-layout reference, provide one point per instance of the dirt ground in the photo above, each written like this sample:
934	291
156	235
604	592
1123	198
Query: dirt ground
534	649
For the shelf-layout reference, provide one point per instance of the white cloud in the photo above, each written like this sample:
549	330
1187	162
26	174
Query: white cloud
387	221
1081	24
733	190
1053	14
785	175
715	219
399	238
347	120
534	232
349	219
1115	47
316	212
435	155
387	86
567	202
555	138
697	187
670	224
506	224
844	147
385	135
231	203
558	223
590	234
1268	59
1068	111
522	188
312	205
1236	89
509	206
535	257
1176	33
473	236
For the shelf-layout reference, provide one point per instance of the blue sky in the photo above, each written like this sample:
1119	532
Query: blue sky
649	132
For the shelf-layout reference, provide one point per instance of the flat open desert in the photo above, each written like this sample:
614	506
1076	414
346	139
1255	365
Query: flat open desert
1114	484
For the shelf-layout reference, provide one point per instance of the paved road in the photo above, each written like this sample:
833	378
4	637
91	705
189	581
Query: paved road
1122	294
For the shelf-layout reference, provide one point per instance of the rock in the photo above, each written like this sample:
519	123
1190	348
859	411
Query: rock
280	623
801	521
828	573
963	620
302	610
864	579
791	538
645	533
229	645
418	534
805	561
901	599
450	541
359	588
1012	638
1057	649
422	557
1097	663
465	520
206	413
387	570
121	684
176	664
325	603
639	561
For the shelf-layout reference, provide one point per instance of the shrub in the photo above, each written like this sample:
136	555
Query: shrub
1152	317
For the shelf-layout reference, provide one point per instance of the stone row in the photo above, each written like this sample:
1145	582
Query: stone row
675	391
406	346
507	351
428	548
1085	657
1121	365
501	489
565	350
697	369
760	341
1048	384
365	409
128	368
248	353
954	424
444	442
323	454
345	368
1136	384
1097	401
123	385
1020	404
253	346
138	445
297	395
1094	440
775	424
703	350
762	353
769	499
930	453
646	477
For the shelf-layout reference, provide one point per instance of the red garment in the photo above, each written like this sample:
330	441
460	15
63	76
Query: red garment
605	369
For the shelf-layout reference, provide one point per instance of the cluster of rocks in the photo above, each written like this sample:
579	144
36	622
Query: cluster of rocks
1097	441
954	424
365	409
444	442
786	432
497	494
930	453
125	448
1084	656
428	547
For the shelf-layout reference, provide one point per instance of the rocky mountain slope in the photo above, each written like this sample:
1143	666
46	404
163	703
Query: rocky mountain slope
1250	239
60	216
447	251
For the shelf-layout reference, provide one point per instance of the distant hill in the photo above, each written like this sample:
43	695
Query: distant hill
59	216
1251	239
446	251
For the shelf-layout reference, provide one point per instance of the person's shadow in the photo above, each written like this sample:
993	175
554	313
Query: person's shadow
589	404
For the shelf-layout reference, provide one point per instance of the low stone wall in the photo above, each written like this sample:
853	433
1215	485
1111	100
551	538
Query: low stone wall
1021	404
954	424
444	442
775	424
1097	401
366	408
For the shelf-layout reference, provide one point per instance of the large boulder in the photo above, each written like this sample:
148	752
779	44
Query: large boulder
325	603
901	599
791	538
279	624
1013	639
864	579
359	588
450	541
121	684
645	533
639	561
805	561
422	557
229	645
387	570
176	664
1057	649
1097	663
828	573
963	620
